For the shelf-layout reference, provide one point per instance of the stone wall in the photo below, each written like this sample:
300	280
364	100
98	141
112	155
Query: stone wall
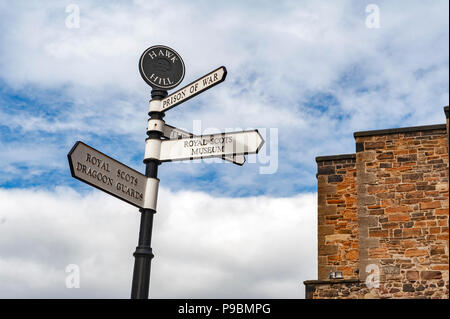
356	289
334	289
401	194
337	216
403	208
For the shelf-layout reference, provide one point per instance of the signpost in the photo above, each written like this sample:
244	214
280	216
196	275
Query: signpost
163	69
189	91
101	171
206	146
174	133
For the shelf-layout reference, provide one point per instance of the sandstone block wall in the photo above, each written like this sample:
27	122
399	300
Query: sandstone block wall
403	209
337	215
335	289
385	209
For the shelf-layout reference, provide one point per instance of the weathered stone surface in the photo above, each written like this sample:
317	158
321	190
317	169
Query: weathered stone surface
352	254
405	187
413	252
326	250
412	177
367	156
437	250
326	229
373	145
329	293
408	288
420	288
398	217
335	178
337	217
387	206
326	170
394	290
428	275
391	270
408	158
412	232
412	275
385	156
378	233
429	205
337	237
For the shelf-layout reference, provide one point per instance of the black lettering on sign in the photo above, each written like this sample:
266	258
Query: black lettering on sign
210	79
129	191
127	177
192	143
220	140
94	174
200	146
207	150
97	162
173	99
193	88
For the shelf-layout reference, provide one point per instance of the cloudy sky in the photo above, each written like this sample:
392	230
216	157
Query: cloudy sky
307	74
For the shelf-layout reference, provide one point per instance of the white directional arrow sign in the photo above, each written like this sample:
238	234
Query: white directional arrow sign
105	173
189	91
215	145
174	133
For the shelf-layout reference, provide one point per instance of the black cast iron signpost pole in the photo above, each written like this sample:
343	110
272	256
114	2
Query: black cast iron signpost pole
143	254
163	69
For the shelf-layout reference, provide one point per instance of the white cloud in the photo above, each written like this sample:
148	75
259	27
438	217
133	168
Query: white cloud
205	247
278	59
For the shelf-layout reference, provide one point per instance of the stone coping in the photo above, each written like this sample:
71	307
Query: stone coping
331	281
335	157
401	130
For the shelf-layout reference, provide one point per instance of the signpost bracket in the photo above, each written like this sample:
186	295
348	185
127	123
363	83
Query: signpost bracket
155	106
151	193
152	149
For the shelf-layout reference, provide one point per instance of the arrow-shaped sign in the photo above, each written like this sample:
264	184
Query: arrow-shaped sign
215	145
189	91
174	133
101	171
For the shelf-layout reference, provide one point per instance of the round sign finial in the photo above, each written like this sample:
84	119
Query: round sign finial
161	67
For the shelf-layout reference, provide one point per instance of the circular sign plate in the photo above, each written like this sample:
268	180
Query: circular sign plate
161	67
